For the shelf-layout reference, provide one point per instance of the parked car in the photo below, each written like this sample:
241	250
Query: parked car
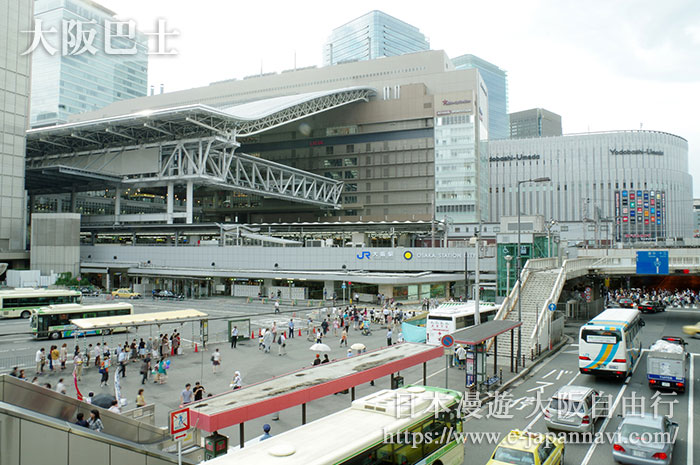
692	330
651	306
520	447
125	293
169	295
576	409
626	303
630	445
89	291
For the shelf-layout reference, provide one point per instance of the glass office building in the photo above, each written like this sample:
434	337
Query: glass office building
497	86
371	36
15	16
73	80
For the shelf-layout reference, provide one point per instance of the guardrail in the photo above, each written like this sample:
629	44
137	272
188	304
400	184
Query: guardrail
145	414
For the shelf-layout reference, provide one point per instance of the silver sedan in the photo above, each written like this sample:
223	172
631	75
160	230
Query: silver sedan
644	440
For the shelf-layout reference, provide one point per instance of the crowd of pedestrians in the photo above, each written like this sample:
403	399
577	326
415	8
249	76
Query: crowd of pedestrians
674	298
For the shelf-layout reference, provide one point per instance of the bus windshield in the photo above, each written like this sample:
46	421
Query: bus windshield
601	336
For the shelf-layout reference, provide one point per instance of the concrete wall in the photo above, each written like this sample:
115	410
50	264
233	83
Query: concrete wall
55	243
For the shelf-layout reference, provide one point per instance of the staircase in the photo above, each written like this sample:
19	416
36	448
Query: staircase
535	291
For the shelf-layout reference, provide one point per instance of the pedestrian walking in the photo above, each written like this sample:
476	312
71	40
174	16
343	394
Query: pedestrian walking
388	336
266	432
145	369
55	355
63	355
267	341
140	399
97	354
237	381
198	391
335	326
234	337
122	359
162	372
215	360
95	423
60	387
186	395
104	371
344	337
40	359
78	365
282	343
277	306
114	407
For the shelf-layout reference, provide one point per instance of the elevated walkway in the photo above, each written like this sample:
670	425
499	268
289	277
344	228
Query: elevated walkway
37	425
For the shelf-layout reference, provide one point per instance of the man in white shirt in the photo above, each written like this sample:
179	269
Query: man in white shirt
60	387
114	408
461	357
122	362
40	360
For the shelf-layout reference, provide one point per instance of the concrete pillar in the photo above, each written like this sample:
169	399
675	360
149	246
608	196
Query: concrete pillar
73	201
387	290
170	197
328	288
189	200
117	205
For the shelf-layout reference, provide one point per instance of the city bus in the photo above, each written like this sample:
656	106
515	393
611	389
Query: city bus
18	303
610	344
406	426
53	322
452	316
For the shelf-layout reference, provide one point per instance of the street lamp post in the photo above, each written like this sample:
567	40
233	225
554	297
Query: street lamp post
508	260
517	267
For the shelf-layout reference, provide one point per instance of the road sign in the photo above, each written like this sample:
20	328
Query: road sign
587	294
652	262
447	341
552	307
179	422
343	286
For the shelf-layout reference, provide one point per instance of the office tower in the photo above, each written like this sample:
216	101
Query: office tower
536	122
15	17
373	35
497	87
78	78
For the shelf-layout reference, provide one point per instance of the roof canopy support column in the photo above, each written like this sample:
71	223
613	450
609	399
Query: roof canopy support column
117	204
170	199
189	201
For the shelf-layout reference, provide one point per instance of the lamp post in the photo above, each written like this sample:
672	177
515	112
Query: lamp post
517	267
508	260
549	226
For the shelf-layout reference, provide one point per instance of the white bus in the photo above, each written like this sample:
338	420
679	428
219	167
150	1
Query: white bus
452	316
610	344
53	322
377	429
16	303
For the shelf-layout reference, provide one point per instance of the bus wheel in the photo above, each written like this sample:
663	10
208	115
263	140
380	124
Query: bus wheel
26	314
55	336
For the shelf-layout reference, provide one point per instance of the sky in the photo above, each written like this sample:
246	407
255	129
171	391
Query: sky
602	65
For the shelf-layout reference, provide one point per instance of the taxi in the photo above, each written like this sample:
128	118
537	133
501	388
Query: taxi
125	293
523	448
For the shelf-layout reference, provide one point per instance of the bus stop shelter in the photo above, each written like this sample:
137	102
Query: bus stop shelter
476	337
111	323
307	384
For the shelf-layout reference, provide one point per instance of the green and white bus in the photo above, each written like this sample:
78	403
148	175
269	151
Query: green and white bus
16	303
417	425
53	322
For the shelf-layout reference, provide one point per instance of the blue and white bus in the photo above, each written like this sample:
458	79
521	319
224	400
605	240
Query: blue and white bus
610	344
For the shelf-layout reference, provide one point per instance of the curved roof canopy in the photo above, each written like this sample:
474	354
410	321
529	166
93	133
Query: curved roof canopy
183	122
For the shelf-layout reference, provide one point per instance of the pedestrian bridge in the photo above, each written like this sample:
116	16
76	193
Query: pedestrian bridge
543	280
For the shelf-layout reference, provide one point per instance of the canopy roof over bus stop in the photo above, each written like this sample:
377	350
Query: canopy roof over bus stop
483	332
307	384
143	319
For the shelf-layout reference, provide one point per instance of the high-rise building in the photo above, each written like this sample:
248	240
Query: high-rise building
15	17
80	78
536	122
373	35
497	90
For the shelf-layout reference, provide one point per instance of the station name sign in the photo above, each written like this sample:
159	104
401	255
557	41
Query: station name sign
514	158
636	152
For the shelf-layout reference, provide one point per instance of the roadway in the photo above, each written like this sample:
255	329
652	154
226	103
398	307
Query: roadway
562	369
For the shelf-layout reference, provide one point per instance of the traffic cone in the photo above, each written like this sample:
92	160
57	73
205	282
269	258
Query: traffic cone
259	332
300	333
252	335
195	348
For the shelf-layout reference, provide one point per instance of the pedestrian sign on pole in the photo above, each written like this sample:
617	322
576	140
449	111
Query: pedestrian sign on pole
179	423
447	341
343	285
552	307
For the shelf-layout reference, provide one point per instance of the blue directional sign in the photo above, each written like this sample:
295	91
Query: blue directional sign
552	307
652	262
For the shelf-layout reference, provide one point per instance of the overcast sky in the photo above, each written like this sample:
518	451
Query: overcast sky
602	65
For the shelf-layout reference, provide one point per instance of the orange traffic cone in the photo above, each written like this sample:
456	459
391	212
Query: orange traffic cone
195	348
300	333
259	332
252	335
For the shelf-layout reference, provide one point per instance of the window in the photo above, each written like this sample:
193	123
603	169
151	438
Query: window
329	150
350	148
350	199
